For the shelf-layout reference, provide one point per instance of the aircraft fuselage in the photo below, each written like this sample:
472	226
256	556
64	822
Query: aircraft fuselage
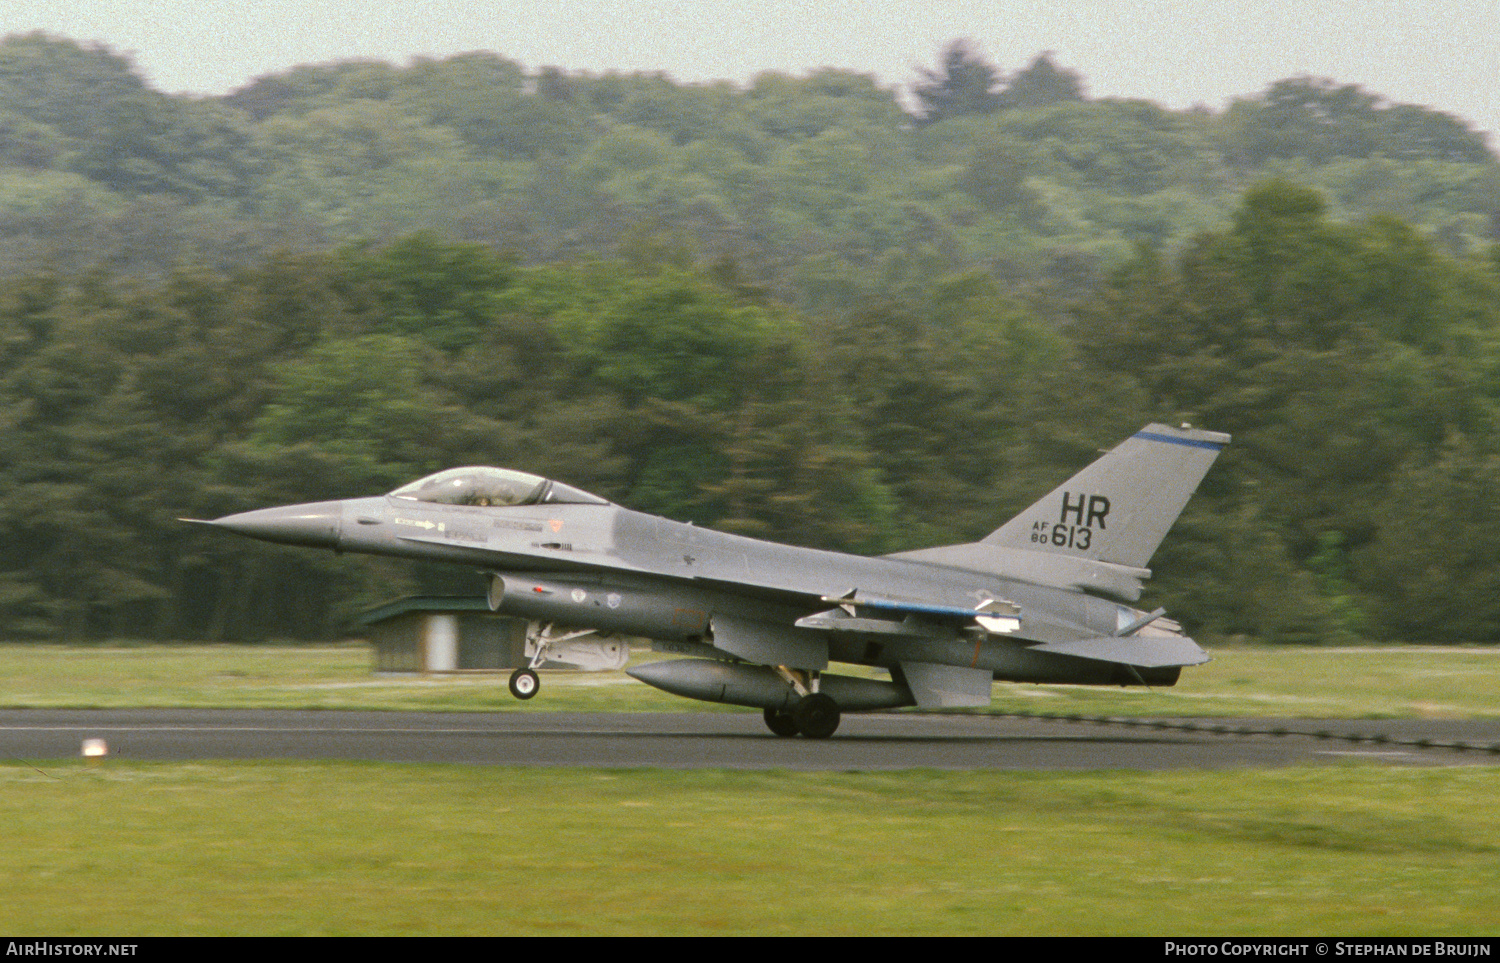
615	570
764	620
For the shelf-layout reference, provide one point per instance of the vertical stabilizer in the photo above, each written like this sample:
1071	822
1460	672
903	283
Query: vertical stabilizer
1119	508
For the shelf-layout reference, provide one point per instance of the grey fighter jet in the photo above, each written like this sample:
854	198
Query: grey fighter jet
1040	599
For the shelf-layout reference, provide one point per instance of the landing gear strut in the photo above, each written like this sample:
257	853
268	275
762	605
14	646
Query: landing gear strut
524	682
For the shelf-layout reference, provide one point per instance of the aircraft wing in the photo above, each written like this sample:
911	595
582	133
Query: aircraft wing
936	685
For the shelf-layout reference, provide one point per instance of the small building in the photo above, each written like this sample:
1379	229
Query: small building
436	633
459	633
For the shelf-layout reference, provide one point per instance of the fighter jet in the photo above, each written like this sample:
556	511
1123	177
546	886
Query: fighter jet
1041	599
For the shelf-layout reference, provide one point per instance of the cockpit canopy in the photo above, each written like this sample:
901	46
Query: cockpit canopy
478	485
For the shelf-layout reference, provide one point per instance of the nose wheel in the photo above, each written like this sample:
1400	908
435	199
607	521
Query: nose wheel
540	638
524	683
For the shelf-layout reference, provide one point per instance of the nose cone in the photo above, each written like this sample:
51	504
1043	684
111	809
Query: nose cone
315	525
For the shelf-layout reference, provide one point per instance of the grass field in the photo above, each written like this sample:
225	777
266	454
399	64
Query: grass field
1330	683
346	848
122	849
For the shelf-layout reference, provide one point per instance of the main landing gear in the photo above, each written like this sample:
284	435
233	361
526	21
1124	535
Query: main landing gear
814	715
817	716
780	721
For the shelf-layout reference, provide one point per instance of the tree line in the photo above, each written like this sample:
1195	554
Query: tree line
803	309
1357	366
829	189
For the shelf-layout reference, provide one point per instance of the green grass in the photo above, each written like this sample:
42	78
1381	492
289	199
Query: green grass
347	848
1248	681
1384	682
118	848
283	677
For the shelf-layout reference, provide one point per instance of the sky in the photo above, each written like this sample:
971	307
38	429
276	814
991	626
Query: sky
1439	53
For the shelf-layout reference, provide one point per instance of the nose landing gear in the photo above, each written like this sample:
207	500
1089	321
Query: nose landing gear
524	683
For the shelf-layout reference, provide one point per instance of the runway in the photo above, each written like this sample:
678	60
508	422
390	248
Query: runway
877	741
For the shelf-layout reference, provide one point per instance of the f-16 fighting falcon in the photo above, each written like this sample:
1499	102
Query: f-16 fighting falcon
1040	599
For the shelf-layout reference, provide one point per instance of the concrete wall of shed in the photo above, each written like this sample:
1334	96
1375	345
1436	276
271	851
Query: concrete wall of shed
448	642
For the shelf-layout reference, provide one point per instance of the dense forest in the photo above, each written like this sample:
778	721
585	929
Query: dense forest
808	309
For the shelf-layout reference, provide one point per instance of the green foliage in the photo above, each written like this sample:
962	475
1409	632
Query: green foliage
997	173
1433	558
1017	174
965	84
428	290
59	84
480	98
941	389
308	88
1344	359
788	108
1335	355
785	309
1122	146
83	109
1321	119
357	401
711	405
1042	84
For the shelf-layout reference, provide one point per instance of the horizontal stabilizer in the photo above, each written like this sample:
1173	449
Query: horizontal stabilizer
1146	652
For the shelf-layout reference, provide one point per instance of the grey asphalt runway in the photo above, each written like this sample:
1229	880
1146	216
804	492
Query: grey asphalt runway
732	740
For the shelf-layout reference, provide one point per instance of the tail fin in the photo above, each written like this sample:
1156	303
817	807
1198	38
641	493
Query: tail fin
1119	508
1098	529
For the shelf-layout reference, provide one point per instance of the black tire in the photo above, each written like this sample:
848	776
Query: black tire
524	683
817	716
781	722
